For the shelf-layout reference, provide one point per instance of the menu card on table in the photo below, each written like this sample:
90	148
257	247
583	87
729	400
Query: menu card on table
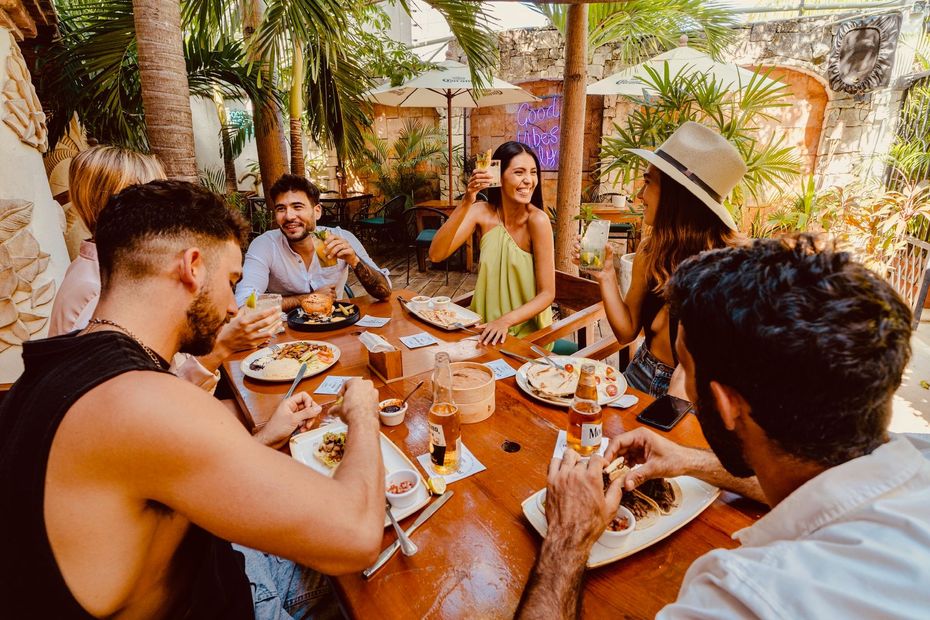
373	321
501	369
416	341
331	385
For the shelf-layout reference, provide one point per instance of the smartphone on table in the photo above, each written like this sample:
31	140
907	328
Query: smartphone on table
665	412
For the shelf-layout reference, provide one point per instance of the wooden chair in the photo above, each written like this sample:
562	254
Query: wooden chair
385	221
910	275
581	306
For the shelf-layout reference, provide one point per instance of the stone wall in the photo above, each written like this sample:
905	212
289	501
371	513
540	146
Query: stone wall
854	133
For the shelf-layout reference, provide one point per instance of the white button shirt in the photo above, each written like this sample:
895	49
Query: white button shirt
854	542
272	266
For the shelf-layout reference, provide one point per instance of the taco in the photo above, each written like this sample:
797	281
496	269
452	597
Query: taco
644	509
665	493
331	449
551	381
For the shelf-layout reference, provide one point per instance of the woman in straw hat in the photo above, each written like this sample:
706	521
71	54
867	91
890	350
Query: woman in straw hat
683	191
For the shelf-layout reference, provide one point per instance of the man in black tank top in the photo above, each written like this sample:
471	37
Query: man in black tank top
120	483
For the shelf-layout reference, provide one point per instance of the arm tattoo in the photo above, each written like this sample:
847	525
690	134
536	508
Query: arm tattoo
374	282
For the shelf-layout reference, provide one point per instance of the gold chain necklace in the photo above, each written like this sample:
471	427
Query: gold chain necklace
151	353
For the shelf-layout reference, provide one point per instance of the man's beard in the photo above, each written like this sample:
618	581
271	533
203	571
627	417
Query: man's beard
203	325
725	443
298	236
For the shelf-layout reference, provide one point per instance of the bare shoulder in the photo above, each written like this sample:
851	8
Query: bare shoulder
539	218
154	409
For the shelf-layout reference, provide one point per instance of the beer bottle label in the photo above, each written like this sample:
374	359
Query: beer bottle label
591	434
436	435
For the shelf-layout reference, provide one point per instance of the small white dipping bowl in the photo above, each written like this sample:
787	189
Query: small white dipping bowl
617	539
393	418
402	500
420	302
440	303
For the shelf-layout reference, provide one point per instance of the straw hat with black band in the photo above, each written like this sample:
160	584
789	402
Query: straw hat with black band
703	161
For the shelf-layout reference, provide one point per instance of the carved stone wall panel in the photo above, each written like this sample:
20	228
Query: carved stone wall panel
21	109
863	53
25	294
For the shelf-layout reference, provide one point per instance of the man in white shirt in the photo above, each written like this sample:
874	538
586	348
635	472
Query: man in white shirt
285	260
792	354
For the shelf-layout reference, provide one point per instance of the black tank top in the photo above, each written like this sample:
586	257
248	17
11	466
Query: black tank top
208	578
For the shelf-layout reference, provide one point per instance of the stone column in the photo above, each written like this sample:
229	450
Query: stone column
33	257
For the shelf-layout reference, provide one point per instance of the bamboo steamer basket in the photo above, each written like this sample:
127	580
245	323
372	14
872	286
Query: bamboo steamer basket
475	403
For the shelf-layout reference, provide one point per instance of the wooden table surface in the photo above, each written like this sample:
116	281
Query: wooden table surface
476	553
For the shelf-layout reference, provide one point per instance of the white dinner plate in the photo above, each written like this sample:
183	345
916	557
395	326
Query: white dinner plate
304	445
312	368
524	384
696	497
465	316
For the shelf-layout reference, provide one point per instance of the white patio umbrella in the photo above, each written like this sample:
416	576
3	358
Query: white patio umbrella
629	81
449	86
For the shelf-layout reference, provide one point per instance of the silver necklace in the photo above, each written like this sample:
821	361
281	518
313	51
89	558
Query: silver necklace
151	353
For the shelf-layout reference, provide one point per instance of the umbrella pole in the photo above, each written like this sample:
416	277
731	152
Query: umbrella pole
449	134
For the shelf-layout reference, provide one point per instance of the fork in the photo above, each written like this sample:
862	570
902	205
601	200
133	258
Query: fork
463	328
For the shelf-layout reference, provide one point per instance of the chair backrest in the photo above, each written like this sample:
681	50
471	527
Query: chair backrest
910	275
348	290
393	208
429	217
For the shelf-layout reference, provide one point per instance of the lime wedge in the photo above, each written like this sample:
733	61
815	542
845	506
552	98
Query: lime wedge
436	485
251	300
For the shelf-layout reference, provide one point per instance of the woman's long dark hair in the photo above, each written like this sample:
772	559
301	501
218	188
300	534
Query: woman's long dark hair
684	226
506	152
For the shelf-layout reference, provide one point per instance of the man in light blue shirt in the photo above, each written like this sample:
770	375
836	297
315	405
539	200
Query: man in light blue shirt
285	260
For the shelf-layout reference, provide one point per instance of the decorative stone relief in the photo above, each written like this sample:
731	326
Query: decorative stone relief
21	109
863	53
25	296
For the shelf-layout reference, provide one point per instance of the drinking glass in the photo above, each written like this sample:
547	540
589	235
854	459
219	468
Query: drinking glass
593	243
267	301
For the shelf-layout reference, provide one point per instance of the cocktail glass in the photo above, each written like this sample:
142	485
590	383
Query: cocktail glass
593	243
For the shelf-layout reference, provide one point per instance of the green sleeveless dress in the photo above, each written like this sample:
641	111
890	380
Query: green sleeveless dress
506	281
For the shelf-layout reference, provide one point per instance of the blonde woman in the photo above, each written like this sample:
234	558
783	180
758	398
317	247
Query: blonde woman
95	175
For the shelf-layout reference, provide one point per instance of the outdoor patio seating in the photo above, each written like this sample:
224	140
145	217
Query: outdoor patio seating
419	231
385	220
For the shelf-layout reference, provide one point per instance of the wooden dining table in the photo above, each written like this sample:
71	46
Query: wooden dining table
476	553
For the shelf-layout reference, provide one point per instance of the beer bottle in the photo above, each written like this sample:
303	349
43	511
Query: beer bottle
445	431
585	420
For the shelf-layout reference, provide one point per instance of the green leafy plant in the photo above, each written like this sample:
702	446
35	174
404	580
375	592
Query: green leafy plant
408	165
677	98
585	216
644	28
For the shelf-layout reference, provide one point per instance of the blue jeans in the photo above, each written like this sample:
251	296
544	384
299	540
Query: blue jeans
647	374
284	590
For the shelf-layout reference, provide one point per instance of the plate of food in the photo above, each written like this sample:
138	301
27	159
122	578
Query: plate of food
557	386
281	362
661	507
322	449
319	313
444	315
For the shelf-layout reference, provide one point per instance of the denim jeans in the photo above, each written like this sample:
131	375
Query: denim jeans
284	590
647	374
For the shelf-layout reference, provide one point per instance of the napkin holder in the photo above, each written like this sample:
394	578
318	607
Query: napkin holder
388	365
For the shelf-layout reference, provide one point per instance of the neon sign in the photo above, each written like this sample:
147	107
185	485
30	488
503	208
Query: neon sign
538	126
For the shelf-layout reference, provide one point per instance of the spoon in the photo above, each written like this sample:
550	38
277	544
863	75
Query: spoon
406	545
410	393
462	327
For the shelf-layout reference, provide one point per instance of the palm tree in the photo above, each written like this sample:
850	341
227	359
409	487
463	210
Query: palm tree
642	28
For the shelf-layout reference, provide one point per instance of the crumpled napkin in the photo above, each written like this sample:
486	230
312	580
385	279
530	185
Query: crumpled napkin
375	343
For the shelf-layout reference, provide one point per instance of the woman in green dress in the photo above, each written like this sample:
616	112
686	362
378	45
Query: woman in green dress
516	273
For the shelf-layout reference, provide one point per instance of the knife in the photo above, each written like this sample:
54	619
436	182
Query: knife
392	549
522	358
546	356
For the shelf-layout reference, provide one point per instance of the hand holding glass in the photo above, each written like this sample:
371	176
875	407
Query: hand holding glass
593	243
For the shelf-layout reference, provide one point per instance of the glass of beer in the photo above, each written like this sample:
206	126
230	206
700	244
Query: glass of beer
585	427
